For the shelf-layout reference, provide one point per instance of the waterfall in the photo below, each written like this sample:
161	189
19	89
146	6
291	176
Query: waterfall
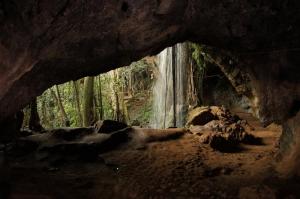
169	107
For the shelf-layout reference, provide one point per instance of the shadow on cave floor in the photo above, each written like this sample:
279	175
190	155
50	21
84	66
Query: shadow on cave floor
178	168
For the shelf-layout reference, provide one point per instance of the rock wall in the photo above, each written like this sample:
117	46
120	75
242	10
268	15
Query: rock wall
290	147
219	91
273	93
270	80
276	89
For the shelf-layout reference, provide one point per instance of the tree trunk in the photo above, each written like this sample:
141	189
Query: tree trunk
95	108
34	121
115	96
76	91
57	98
45	120
88	94
100	99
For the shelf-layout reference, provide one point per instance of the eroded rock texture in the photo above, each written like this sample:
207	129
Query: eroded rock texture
49	42
268	79
290	147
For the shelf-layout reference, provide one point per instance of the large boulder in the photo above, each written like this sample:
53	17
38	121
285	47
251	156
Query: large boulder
219	128
71	134
10	128
67	144
200	116
205	114
227	139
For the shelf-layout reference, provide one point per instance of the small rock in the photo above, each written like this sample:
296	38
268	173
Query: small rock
251	139
25	133
226	171
52	169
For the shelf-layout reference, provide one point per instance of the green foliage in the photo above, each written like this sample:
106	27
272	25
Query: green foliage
198	55
199	72
140	107
146	113
139	73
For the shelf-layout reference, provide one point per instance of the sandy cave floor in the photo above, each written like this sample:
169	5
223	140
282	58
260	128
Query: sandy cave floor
180	168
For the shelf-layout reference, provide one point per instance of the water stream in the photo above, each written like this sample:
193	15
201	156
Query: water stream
170	90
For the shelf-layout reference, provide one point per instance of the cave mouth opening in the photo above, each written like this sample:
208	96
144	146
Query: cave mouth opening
181	90
103	124
165	87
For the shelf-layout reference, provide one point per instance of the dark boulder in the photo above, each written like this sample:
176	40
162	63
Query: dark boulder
5	185
109	126
10	128
71	134
71	144
25	132
229	139
200	116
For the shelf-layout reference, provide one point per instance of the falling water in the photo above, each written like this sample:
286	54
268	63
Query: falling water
170	107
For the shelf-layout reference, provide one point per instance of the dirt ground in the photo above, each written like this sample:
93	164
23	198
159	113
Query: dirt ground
180	168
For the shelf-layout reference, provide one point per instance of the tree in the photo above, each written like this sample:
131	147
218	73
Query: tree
77	99
65	119
88	97
34	121
100	98
44	119
115	96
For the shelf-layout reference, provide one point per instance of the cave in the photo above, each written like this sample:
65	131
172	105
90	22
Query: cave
251	50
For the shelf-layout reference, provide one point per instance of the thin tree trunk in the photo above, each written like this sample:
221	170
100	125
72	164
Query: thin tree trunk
100	99
95	107
57	98
45	119
88	101
76	91
123	108
34	121
26	117
115	96
130	89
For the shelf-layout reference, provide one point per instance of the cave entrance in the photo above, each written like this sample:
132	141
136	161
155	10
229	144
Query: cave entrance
173	124
177	91
155	92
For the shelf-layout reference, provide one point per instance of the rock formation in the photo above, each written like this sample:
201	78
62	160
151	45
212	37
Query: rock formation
219	128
